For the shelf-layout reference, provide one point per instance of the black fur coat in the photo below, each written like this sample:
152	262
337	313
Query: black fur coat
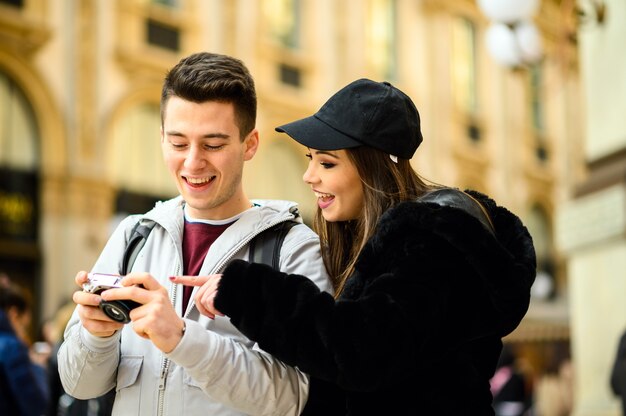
418	328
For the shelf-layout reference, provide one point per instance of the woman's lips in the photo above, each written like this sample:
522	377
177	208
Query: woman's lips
324	200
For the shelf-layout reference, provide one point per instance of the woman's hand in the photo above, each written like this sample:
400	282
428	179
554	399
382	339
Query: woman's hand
206	294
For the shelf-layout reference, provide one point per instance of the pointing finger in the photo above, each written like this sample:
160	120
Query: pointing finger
190	280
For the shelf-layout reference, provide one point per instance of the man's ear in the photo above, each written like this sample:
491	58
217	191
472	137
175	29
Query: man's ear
251	143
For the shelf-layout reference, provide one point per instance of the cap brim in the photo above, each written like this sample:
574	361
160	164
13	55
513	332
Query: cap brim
314	133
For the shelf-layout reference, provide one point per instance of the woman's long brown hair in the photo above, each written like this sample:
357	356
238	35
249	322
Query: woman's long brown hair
385	184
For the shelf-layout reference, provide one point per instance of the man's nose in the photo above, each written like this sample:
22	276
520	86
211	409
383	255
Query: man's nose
195	158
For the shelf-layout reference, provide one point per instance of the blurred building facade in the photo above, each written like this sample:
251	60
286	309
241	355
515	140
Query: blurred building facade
591	223
79	119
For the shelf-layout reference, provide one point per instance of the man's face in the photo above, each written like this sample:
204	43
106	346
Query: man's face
205	155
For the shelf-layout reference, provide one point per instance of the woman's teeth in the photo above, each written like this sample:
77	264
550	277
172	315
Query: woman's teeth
323	196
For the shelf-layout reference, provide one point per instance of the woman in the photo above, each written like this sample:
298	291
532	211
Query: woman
427	279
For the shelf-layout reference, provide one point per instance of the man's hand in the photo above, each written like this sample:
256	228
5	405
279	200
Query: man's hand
155	319
206	294
91	316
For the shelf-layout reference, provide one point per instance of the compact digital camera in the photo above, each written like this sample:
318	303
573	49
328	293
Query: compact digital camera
118	310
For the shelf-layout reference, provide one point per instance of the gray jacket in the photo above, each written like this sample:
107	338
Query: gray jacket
214	369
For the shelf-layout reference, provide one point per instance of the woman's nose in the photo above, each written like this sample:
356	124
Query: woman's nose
309	175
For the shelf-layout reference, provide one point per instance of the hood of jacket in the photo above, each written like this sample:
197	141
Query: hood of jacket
501	263
263	214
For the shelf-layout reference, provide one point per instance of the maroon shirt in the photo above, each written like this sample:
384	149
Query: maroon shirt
197	239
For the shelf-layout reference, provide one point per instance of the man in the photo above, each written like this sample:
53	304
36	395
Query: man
170	360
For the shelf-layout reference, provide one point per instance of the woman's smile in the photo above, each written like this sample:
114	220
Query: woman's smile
324	200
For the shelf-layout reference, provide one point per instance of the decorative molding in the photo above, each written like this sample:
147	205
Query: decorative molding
77	197
21	31
592	219
132	50
144	61
86	97
465	7
603	173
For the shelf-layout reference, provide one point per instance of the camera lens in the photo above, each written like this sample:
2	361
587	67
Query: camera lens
115	312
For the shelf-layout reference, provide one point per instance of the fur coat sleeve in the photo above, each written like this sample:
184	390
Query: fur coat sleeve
431	281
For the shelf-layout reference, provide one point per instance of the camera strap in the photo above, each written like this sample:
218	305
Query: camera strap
138	237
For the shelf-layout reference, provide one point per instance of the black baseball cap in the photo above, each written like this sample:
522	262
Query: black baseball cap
363	113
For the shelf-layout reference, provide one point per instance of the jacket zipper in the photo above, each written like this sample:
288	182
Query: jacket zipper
165	363
162	383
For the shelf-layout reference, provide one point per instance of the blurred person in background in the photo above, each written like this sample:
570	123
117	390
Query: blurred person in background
553	393
61	403
512	395
23	386
618	372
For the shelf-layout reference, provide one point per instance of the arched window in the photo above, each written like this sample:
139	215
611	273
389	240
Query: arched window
135	162
19	162
19	136
284	18
381	38
282	166
19	188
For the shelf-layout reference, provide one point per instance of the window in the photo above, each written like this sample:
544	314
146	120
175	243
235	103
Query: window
283	17
283	20
168	3
162	35
19	135
381	38
539	228
464	65
537	111
16	3
464	73
290	75
135	162
19	162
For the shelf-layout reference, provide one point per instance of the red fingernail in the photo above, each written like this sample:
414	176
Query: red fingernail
172	277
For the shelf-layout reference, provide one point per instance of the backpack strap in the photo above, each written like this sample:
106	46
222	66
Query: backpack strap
265	247
138	237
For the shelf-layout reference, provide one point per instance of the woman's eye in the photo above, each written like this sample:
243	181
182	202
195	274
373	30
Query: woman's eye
325	165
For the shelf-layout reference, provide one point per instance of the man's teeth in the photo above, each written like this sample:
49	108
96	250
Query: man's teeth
323	196
198	181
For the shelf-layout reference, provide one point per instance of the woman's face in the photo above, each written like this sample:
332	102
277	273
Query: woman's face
336	183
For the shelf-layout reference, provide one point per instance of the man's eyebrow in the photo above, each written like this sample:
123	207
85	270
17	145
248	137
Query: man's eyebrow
205	136
216	136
